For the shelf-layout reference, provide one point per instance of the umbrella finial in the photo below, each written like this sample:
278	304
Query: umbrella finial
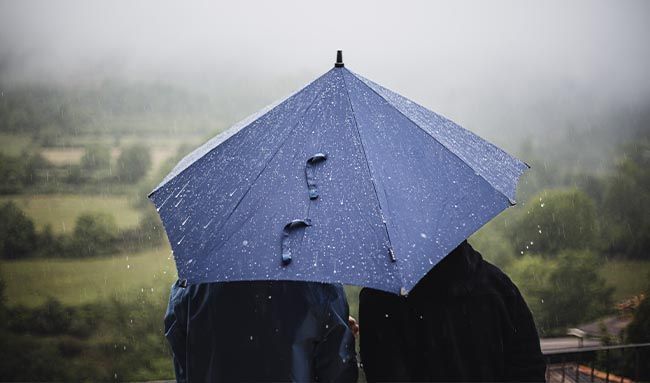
339	60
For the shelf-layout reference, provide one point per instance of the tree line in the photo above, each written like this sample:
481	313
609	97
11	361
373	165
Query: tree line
94	234
30	171
555	245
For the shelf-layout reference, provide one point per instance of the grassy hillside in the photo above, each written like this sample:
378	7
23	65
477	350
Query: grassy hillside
75	282
14	144
61	211
72	281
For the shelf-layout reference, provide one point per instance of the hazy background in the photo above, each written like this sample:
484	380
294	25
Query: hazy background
502	69
99	100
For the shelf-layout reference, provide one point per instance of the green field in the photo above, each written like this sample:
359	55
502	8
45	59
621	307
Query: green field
30	282
61	211
14	144
74	282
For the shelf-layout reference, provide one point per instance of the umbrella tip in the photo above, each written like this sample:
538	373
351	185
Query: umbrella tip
339	60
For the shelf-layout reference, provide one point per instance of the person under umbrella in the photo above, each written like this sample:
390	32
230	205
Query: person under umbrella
260	331
464	321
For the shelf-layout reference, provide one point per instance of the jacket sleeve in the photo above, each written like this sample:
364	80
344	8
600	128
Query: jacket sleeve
524	359
384	354
175	329
335	355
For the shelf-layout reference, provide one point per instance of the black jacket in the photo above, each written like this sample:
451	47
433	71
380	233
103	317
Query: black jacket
260	331
464	321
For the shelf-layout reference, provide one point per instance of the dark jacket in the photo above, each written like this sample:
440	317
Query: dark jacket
464	321
260	331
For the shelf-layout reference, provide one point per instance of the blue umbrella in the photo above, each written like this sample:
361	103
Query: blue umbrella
344	181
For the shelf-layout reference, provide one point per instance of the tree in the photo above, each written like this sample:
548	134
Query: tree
96	157
94	234
17	233
556	220
626	205
34	164
12	173
638	331
133	163
562	291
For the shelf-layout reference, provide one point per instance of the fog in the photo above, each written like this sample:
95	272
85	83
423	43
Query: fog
533	67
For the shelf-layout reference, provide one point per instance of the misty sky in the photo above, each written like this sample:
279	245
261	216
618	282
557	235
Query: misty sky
478	62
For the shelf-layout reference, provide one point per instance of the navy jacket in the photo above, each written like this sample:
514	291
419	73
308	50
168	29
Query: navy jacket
260	331
464	321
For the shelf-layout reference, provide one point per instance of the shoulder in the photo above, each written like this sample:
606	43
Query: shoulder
492	280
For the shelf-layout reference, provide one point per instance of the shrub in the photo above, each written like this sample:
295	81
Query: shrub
96	157
17	233
94	234
133	163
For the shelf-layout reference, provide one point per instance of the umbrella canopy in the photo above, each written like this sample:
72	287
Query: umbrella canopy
344	181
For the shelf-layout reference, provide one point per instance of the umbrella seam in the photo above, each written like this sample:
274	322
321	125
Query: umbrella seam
512	202
372	180
284	141
268	108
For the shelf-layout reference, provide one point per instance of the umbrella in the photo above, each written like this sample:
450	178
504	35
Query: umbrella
344	181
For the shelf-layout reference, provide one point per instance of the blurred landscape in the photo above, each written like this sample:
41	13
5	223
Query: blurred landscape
96	109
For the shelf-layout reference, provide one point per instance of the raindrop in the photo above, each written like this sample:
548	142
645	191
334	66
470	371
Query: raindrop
128	266
270	297
541	205
423	235
386	315
251	337
245	243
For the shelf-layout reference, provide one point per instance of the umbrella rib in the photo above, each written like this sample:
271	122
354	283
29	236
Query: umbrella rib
250	186
372	180
220	138
435	139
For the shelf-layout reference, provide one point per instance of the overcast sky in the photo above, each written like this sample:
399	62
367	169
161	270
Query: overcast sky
462	58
